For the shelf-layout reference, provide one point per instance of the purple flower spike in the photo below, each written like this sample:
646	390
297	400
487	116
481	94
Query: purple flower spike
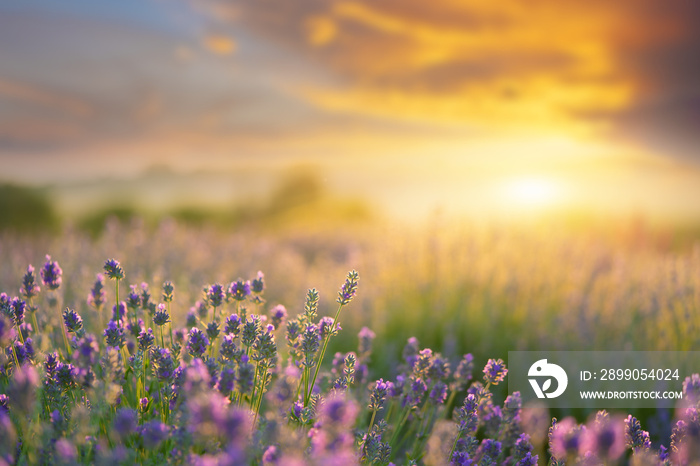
216	295
73	321
277	315
495	371
258	284
114	270
97	295
29	288
161	317
114	335
239	290
349	288
17	308
51	274
198	343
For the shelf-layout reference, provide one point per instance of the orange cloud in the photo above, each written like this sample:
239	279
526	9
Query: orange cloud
321	30
219	44
27	93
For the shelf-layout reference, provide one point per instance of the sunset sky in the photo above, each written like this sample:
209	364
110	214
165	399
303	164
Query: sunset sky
468	104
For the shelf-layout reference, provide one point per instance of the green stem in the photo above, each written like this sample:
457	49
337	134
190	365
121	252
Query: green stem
371	422
323	352
170	325
399	426
64	332
14	352
450	400
255	381
260	397
454	445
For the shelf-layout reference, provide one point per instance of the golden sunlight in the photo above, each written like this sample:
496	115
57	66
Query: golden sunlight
533	192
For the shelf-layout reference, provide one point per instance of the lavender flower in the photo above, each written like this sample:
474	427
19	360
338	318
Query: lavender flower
310	344
17	308
258	284
467	415
114	335
349	288
606	439
251	330
635	437
135	328
51	274
5	305
378	395
153	433
334	440
65	451
133	299
410	352
7	332
97	295
439	368
438	394
119	312
125	422
86	352
145	296
264	348
278	314
239	290
66	376
228	348
271	455
73	321
197	343
200	308
163	365
113	269
213	330
311	305
564	438
191	319
415	394
495	371
365	337
463	373
216	295
161	317
246	372
491	450
29	288
325	328
24	351
232	326
168	289
226	381
51	365
22	389
145	339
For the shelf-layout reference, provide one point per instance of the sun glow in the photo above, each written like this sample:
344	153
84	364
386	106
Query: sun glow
533	191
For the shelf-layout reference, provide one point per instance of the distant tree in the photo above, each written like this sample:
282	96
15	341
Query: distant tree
27	210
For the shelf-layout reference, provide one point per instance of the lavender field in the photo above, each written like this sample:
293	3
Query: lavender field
183	345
